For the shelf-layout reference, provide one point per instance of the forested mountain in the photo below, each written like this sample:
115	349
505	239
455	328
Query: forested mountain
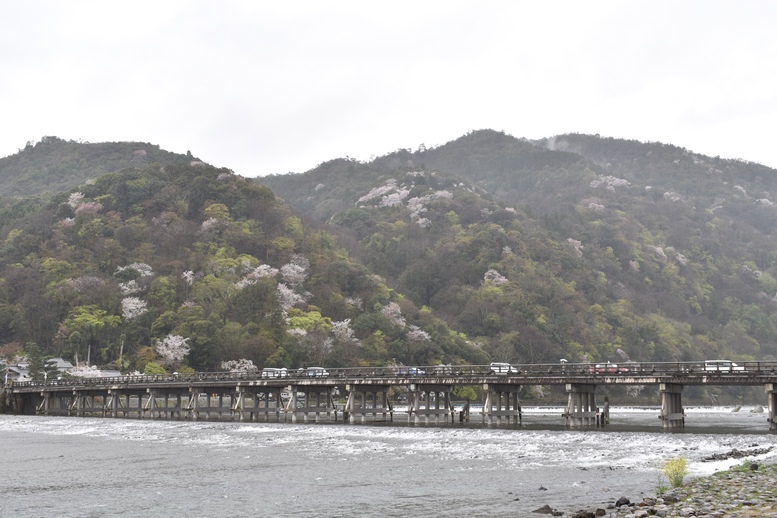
52	164
186	266
487	248
576	246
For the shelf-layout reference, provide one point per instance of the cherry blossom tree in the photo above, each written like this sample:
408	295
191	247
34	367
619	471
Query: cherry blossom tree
133	307
288	297
393	313
241	365
496	278
172	349
74	199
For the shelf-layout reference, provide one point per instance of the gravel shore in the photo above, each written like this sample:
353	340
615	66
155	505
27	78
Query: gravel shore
745	491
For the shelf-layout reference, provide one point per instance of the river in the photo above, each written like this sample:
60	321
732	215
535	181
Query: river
69	466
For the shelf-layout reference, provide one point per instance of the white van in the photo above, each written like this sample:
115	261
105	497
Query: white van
317	372
721	366
270	372
502	368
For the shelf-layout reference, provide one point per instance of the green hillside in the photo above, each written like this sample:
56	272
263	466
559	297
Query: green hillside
576	246
185	265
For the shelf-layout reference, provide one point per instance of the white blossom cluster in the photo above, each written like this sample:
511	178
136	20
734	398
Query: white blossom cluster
416	206
681	259
133	307
395	198
172	349
673	196
754	274
287	297
188	277
319	187
211	226
355	302
596	207
89	207
577	245
245	281
634	265
85	371
379	191
130	288
740	189
495	278
343	333
74	199
393	313
506	250
241	365
298	332
766	201
658	251
142	268
416	334
609	182
67	223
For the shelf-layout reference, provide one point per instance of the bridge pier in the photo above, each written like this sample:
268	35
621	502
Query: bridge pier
501	401
672	414
318	401
771	395
356	404
581	408
423	393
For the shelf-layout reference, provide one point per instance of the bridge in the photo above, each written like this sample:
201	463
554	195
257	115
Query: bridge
312	394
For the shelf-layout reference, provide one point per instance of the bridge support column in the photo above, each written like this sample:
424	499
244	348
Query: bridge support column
771	395
501	401
416	409
44	406
672	414
581	407
356	404
239	403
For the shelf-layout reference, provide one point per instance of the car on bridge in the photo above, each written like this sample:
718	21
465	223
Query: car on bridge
609	368
410	371
316	372
270	372
502	368
722	366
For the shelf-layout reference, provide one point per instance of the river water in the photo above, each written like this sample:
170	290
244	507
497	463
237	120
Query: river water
90	467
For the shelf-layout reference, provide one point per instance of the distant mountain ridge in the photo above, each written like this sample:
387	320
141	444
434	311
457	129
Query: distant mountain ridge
53	164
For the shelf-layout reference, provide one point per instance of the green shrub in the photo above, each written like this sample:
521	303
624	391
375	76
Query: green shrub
675	470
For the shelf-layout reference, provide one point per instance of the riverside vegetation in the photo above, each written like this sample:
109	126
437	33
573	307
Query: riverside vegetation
747	490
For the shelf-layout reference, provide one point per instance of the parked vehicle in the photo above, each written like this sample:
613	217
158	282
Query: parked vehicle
502	368
609	368
721	366
270	372
410	371
317	372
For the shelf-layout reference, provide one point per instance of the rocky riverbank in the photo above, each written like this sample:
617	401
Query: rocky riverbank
745	491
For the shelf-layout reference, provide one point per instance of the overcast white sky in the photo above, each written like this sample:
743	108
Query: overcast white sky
273	87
